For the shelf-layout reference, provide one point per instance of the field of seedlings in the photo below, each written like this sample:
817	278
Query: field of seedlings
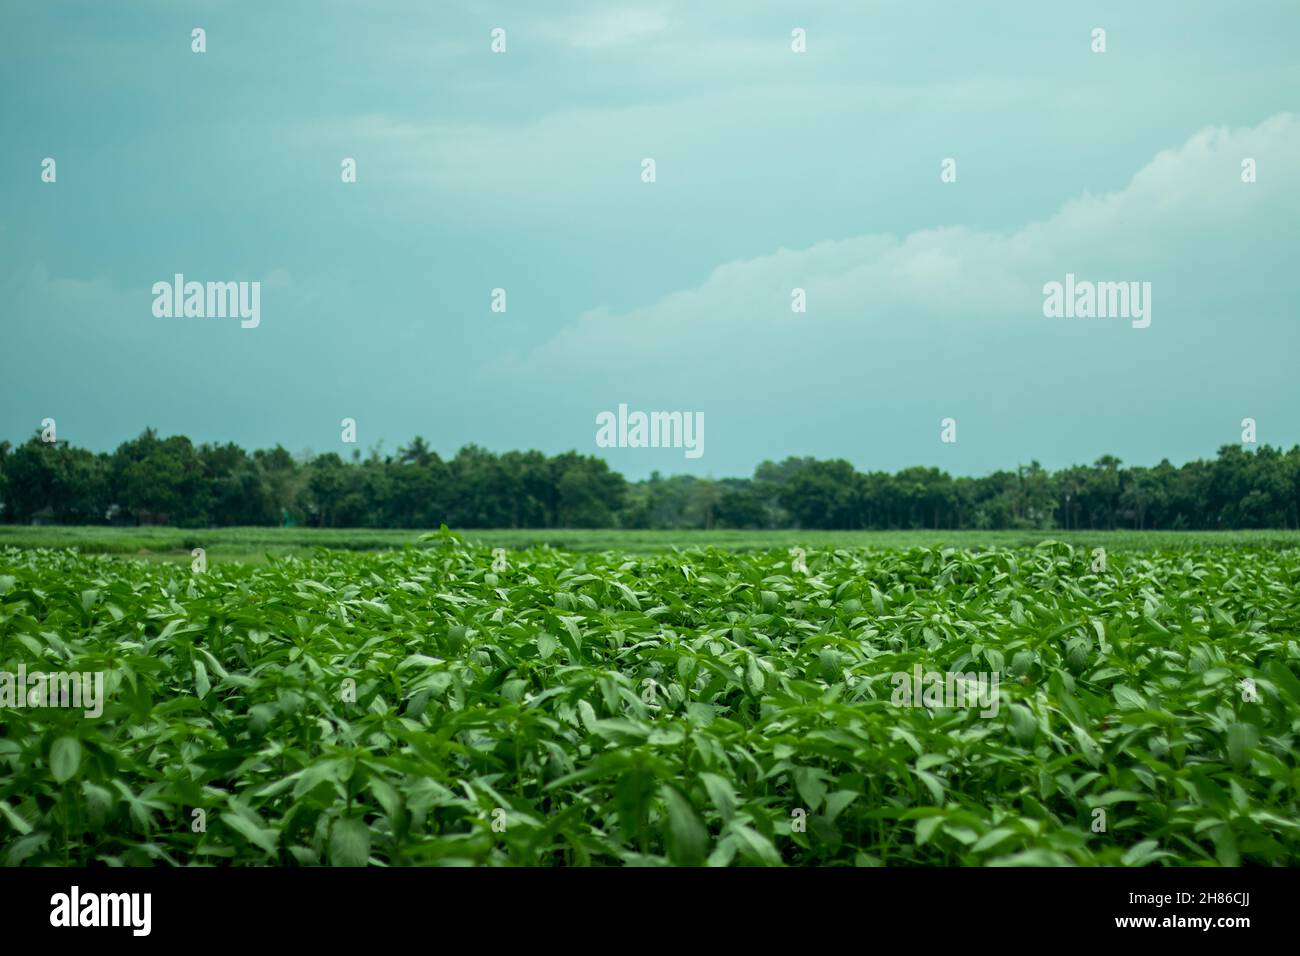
446	705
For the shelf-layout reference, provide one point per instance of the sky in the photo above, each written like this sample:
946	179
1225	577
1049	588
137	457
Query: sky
775	170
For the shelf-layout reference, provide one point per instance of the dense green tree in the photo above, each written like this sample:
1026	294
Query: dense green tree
742	507
589	494
149	477
824	494
53	481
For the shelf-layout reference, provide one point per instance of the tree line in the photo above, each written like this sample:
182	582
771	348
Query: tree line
155	480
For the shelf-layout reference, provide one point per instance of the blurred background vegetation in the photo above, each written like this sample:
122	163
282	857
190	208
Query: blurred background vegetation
173	482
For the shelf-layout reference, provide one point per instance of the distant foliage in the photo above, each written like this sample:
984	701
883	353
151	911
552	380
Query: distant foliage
153	480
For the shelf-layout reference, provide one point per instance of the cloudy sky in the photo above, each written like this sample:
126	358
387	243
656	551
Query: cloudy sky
775	170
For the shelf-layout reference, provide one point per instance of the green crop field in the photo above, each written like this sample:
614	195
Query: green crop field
904	705
256	544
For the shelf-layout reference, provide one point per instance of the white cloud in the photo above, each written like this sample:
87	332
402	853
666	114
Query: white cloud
614	27
1184	221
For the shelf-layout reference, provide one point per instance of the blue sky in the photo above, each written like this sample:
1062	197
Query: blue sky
775	170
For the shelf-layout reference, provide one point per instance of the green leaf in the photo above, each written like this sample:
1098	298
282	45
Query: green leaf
1116	796
992	838
838	802
933	784
1024	726
1279	674
925	828
755	847
65	759
1241	740
688	839
1128	699
25	847
15	821
722	793
1140	853
811	785
259	836
1087	746
387	796
349	842
571	625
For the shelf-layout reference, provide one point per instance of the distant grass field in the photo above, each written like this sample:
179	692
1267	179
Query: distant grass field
253	545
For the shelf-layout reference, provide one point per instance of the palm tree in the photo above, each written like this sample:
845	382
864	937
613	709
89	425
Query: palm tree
417	452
